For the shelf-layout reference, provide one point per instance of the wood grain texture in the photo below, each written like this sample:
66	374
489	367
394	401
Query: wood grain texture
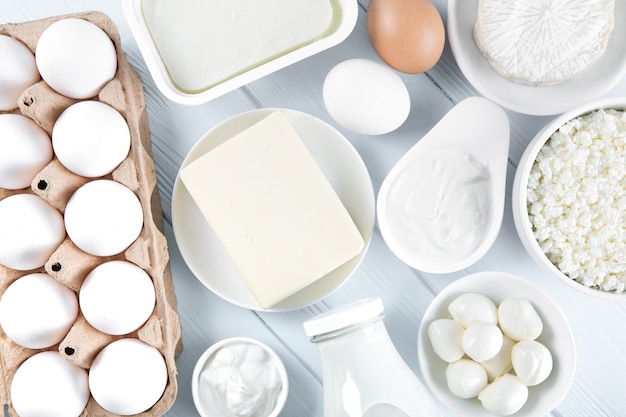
599	326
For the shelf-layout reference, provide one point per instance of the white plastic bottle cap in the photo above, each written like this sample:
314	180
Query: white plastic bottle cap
344	316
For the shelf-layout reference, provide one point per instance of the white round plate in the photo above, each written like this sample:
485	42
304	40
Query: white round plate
556	336
534	100
341	164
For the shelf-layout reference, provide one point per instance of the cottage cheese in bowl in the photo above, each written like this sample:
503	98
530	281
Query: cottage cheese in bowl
570	197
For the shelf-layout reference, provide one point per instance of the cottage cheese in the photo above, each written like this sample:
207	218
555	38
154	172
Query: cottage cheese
577	199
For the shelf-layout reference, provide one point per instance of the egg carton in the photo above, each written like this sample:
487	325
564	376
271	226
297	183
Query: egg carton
68	264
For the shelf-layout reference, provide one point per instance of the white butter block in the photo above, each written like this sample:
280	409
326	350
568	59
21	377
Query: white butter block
273	210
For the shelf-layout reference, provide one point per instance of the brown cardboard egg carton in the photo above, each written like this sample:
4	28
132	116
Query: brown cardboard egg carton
70	265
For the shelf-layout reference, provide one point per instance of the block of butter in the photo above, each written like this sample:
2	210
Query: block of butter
272	209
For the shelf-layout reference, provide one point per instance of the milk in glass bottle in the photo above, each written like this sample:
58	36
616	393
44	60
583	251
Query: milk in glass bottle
364	375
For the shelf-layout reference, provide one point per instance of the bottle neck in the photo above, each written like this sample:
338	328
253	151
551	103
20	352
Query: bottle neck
346	330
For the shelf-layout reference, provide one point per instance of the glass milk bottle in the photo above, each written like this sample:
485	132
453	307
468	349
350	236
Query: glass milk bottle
364	375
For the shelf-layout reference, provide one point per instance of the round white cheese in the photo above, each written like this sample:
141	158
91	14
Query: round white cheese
543	42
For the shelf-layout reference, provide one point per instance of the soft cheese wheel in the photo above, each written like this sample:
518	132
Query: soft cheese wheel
31	231
25	149
48	385
103	217
127	377
91	138
117	297
17	72
76	58
543	42
37	311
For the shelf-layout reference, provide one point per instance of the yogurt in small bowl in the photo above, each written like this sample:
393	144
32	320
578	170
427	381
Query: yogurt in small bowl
440	207
239	377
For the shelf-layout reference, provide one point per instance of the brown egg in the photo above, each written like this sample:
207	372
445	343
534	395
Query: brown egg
407	34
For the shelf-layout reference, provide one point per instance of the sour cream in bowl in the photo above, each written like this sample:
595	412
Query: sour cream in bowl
569	198
239	377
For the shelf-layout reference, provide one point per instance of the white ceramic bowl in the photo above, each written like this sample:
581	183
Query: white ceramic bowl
519	193
591	84
347	15
344	169
208	355
556	336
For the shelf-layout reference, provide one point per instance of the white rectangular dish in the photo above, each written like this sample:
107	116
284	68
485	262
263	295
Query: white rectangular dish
162	50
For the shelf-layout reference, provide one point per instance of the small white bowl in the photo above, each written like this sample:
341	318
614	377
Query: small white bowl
520	185
207	356
346	14
556	336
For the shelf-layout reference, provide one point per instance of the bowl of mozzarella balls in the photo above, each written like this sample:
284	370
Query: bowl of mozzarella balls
494	344
569	198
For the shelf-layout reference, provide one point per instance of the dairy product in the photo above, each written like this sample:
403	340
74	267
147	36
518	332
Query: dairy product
576	199
204	42
543	42
239	380
440	205
272	209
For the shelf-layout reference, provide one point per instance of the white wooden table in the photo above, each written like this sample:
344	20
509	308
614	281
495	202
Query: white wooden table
599	326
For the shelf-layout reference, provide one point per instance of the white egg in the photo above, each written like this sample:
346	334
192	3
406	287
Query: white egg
91	138
470	308
445	336
482	341
518	319
504	396
127	377
37	311
501	363
76	58
366	97
25	149
465	378
532	362
46	384
103	217
31	231
17	72
112	310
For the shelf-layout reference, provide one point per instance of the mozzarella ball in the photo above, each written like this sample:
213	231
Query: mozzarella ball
470	308
519	319
482	341
91	138
112	310
31	231
465	378
445	336
25	149
46	384
366	97
532	362
76	58
37	311
504	396
501	363
17	72
103	217
127	377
